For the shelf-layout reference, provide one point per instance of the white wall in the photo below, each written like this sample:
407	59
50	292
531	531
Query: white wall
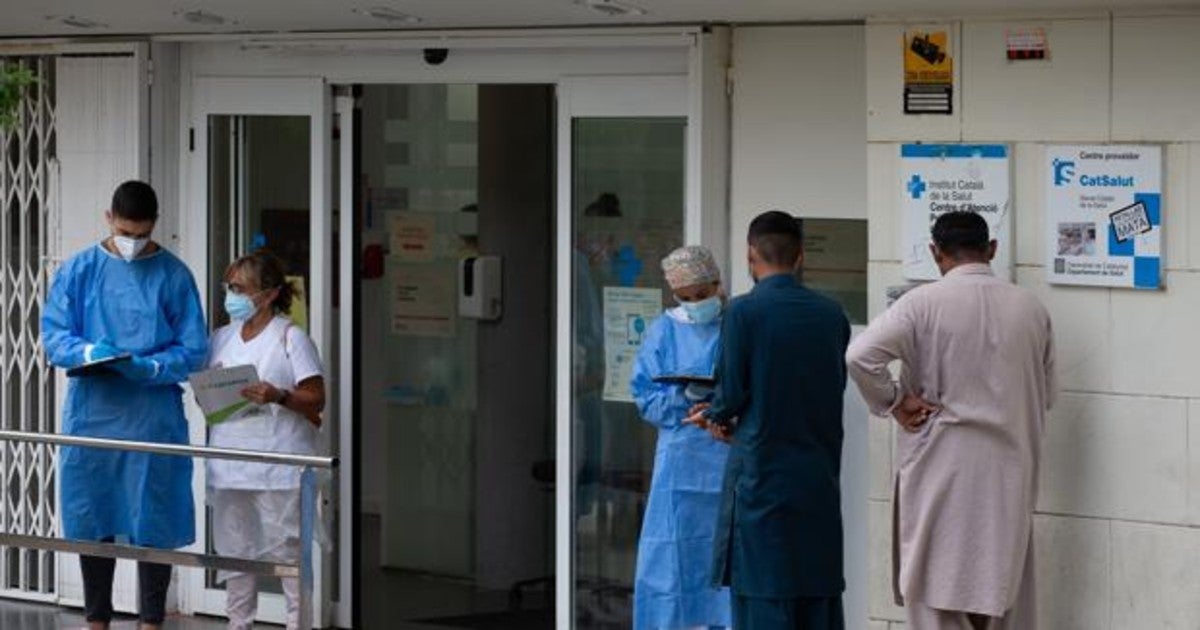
1116	532
798	130
101	143
798	145
98	141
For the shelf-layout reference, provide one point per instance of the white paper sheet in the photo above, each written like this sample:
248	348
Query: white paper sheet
219	392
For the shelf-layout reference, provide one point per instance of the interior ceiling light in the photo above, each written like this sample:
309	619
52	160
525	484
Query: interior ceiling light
612	8
75	21
203	18
388	15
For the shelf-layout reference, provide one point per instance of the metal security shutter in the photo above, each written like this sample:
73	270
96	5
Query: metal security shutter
29	215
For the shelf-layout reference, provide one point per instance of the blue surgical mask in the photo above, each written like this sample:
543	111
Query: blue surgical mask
704	311
240	307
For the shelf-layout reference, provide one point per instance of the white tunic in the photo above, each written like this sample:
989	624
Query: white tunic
275	428
982	350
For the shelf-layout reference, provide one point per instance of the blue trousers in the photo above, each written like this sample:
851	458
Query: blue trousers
799	613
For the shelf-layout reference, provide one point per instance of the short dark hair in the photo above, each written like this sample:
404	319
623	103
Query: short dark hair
778	238
135	201
606	205
957	232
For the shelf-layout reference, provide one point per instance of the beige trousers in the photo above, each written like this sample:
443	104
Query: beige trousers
1022	615
241	601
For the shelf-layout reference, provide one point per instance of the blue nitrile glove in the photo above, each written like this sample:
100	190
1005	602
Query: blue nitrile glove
99	352
137	369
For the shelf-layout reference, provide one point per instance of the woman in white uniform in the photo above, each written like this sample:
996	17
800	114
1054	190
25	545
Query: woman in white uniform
256	506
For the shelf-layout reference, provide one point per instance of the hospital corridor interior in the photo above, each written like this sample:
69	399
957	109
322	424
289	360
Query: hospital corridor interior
455	524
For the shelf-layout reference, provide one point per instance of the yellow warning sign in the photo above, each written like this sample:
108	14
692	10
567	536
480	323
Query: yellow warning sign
928	72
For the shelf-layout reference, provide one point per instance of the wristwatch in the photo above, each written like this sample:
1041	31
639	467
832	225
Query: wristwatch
283	396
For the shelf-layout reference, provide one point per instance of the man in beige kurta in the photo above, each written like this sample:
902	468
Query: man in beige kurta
977	376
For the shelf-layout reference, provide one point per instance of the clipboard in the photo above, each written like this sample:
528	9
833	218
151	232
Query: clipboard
686	379
99	367
218	392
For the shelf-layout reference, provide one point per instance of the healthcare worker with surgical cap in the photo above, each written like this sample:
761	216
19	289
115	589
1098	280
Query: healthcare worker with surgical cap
673	586
126	295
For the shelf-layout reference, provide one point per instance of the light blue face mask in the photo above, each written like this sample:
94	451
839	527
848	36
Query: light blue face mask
240	307
704	311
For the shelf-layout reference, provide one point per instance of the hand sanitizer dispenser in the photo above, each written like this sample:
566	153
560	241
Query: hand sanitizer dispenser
480	288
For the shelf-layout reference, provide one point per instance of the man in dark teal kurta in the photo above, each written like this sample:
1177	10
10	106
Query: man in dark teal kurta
781	375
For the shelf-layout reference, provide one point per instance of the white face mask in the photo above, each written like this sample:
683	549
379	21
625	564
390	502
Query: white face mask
130	247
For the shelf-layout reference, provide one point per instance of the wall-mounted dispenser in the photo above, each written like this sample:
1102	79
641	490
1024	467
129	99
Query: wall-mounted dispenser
480	288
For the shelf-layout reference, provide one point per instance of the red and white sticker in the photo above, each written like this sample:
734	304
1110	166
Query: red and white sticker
1025	44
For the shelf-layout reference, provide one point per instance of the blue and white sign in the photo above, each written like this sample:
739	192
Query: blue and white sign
940	178
1104	215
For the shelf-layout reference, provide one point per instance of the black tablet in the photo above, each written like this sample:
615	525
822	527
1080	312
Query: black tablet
685	379
102	366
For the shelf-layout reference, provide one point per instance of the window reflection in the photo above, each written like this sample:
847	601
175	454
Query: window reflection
835	263
628	192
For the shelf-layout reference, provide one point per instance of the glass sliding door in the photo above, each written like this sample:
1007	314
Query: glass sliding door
420	168
260	172
259	198
455	420
626	211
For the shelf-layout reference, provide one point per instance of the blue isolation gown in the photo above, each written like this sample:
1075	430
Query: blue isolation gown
673	587
150	308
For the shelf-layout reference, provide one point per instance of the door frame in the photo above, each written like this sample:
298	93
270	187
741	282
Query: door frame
292	96
693	56
345	107
594	97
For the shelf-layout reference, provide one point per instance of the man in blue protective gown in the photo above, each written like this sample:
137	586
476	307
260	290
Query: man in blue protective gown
780	380
126	295
673	588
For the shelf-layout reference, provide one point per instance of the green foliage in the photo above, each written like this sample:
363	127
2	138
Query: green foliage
13	81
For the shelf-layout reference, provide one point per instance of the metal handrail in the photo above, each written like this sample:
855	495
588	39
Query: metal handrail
148	554
162	448
308	507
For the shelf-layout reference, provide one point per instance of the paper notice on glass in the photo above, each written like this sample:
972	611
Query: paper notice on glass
219	392
299	311
412	236
423	300
628	313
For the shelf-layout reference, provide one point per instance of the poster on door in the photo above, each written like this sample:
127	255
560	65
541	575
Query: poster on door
298	313
412	236
628	313
940	178
1104	215
423	300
